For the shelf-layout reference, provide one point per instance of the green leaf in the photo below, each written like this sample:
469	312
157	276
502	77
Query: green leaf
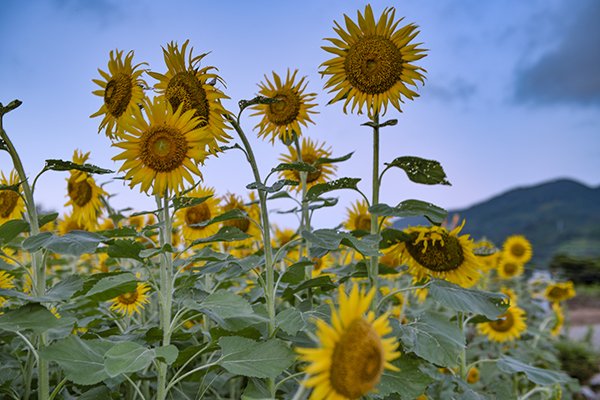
256	390
34	317
477	302
167	354
11	229
222	305
46	218
321	188
331	239
66	288
433	338
295	166
326	160
125	231
276	187
112	286
73	243
536	375
127	357
148	253
235	213
225	234
290	320
96	393
184	202
81	360
257	100
125	248
246	357
389	122
409	382
295	273
411	208
61	165
323	282
421	170
390	237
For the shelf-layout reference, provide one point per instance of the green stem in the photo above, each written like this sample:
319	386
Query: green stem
373	270
463	352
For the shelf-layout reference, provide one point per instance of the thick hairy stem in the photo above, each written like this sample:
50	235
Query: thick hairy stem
374	260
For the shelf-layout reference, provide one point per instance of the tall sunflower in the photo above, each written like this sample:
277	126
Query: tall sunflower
122	91
131	302
359	218
186	83
191	218
352	352
162	150
435	251
310	152
517	249
508	327
11	202
283	118
372	64
84	194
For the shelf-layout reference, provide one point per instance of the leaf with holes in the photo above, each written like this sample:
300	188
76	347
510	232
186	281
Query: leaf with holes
321	188
421	170
411	208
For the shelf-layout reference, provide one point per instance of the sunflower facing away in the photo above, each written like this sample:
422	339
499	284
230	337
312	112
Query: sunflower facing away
6	282
162	151
132	302
509	326
373	62
310	152
561	291
191	218
122	90
283	118
84	194
352	352
517	249
11	202
185	82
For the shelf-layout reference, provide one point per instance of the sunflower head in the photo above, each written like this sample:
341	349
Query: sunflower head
70	223
353	352
310	152
191	219
84	195
508	269
517	249
282	118
359	218
508	327
11	202
230	202
282	236
559	319
473	375
561	291
372	63
131	302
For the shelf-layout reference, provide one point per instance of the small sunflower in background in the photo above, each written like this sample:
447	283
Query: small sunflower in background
129	303
517	249
473	375
281	119
69	223
122	91
435	251
161	150
559	319
6	282
321	264
359	218
352	352
84	195
282	236
310	152
560	291
508	327
189	218
508	269
372	64
11	202
186	83
231	202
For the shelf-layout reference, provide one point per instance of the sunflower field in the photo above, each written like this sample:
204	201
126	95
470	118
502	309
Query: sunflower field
204	297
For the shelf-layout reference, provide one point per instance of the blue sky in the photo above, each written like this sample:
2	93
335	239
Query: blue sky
512	96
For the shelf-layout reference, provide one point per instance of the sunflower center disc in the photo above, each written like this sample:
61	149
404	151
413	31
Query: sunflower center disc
504	324
373	65
128	298
363	222
518	250
8	202
317	263
79	192
117	94
357	361
243	224
286	110
185	88
437	257
196	214
557	293
510	269
311	176
163	148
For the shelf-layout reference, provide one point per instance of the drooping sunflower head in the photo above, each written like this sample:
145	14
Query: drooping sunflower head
310	152
508	327
560	291
192	87
161	148
122	91
11	202
517	249
435	251
508	269
282	119
352	352
6	282
559	319
83	192
359	218
372	63
192	219
131	302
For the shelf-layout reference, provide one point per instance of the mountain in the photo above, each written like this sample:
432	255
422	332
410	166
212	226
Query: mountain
558	217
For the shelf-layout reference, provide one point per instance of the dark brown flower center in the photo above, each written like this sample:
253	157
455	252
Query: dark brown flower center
439	255
557	292
79	192
286	110
518	250
117	94
311	176
510	268
197	214
504	324
243	224
186	88
8	202
363	222
163	148
128	298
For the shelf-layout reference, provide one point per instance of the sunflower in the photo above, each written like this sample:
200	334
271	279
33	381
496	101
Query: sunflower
510	293
435	251
310	152
84	194
517	249
509	326
69	223
191	218
283	118
186	84
246	225
353	351
131	302
321	264
561	291
122	91
509	269
559	319
359	218
473	375
282	236
11	202
372	63
161	152
6	282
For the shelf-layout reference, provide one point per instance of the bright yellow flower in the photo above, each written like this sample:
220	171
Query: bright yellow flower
84	195
373	62
231	202
508	269
132	302
310	152
560	291
473	375
321	264
69	223
11	202
512	295
352	352
517	249
359	217
6	282
508	327
191	218
559	319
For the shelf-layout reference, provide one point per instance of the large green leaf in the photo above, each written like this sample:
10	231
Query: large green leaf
66	288
11	229
421	170
125	248
409	382
184	202
321	188
81	360
275	187
536	375
73	243
34	317
127	357
111	286
225	234
290	320
295	166
411	208
242	356
223	305
331	239
458	298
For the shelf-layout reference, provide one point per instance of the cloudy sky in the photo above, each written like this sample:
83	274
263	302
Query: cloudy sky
512	96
